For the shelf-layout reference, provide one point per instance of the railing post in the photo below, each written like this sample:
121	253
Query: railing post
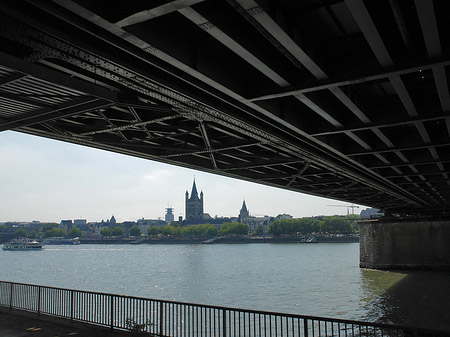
11	296
39	302
305	327
161	318
224	323
71	305
111	299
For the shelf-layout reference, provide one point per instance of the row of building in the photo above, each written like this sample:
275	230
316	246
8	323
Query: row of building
194	214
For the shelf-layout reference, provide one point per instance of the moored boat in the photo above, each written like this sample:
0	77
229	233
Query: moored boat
22	244
62	241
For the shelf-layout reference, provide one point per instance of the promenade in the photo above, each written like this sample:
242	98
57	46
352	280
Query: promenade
69	312
17	323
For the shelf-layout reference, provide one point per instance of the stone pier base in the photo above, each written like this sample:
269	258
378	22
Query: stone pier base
405	245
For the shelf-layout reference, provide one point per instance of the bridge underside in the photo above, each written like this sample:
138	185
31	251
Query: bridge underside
341	99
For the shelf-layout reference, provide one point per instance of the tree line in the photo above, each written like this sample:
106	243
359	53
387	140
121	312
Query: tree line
200	231
286	227
118	231
329	224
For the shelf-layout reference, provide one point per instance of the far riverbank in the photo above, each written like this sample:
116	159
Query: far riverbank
223	240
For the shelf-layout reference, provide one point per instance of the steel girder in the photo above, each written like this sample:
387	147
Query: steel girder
341	99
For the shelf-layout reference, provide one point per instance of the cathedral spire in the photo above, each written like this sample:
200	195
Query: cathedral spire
194	192
244	214
244	207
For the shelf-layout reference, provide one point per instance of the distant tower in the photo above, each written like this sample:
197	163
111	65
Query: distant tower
113	220
244	213
194	205
169	215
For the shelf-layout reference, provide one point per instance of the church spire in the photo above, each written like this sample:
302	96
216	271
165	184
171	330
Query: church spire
194	192
244	214
244	207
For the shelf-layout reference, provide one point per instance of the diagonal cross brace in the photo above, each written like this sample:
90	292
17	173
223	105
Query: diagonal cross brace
302	170
208	144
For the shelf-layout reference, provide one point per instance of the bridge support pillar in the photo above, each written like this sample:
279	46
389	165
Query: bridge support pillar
404	245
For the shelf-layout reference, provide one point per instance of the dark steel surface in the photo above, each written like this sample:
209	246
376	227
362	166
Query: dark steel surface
179	319
342	99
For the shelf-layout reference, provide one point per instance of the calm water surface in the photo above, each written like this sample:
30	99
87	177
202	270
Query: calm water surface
314	279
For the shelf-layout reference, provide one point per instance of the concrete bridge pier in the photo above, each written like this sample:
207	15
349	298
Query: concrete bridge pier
405	244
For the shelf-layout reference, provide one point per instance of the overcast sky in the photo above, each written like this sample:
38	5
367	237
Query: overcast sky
47	180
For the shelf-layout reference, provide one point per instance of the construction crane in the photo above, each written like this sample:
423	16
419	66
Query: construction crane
348	208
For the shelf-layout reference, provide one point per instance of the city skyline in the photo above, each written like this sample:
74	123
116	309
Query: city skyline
47	180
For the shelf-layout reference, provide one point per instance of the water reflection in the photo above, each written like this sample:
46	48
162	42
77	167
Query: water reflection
320	280
412	298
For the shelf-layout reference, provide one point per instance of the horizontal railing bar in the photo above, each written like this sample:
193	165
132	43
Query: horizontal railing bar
239	311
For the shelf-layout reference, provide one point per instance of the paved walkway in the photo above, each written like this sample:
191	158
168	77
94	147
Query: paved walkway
23	324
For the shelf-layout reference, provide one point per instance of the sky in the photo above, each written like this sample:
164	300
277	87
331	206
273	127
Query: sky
48	181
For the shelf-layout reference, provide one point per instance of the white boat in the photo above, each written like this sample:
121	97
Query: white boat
22	244
61	241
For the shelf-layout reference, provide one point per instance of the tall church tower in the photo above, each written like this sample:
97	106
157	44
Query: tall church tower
244	213
194	205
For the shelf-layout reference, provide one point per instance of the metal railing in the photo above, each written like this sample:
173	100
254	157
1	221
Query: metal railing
177	319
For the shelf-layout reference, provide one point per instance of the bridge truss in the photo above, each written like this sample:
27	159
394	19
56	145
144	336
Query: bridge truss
342	99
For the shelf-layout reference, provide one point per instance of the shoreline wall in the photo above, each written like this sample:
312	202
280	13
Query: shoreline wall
320	239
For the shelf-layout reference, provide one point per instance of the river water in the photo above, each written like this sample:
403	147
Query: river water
311	279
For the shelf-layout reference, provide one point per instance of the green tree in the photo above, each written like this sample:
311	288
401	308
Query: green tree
33	234
153	231
210	230
135	231
233	229
117	231
47	227
259	230
105	231
170	230
20	233
292	227
354	222
4	229
193	231
275	228
74	232
199	231
55	232
334	224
